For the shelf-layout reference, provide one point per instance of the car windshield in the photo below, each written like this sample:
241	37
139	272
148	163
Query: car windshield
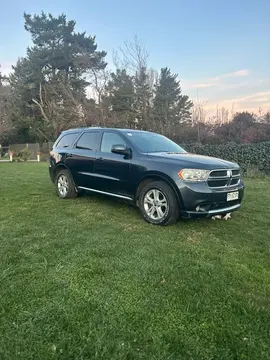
148	142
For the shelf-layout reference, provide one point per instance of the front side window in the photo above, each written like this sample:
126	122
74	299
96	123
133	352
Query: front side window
67	140
88	141
110	139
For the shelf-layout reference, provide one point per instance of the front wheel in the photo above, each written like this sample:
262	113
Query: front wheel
64	185
158	203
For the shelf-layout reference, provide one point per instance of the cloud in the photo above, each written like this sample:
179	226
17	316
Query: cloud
252	97
233	74
238	90
214	81
252	103
6	68
188	85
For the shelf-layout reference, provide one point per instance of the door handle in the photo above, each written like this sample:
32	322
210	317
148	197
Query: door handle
69	155
100	158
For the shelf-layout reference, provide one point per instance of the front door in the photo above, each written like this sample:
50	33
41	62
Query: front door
112	171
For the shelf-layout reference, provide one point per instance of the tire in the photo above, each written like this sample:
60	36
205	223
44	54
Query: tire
64	185
158	203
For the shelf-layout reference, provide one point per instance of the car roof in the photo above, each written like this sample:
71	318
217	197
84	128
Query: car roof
101	128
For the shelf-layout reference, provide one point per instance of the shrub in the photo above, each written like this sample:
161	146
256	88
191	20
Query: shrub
248	156
25	154
21	155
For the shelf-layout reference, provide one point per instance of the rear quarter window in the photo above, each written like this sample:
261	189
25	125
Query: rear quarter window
67	140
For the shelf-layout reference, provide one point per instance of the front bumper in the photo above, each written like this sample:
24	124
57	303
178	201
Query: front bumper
196	214
198	200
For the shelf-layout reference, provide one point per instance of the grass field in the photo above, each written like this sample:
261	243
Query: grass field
89	279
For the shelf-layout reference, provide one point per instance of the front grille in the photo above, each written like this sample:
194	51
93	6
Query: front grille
224	178
235	181
219	173
236	172
217	183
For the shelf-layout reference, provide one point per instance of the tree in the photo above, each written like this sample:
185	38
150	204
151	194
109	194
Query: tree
132	57
170	106
240	123
5	108
142	99
267	118
99	81
244	119
51	81
236	129
58	48
121	95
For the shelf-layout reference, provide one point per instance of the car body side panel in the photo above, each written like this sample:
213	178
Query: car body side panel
112	172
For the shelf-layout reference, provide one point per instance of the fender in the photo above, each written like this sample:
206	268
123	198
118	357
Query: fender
157	175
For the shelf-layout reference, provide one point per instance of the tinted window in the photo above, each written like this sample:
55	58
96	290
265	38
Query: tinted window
150	142
109	139
88	141
67	140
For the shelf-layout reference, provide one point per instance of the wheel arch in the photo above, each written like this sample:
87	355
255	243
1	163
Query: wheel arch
158	176
59	167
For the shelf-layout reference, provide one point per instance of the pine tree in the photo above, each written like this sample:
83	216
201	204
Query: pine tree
142	99
121	97
51	80
58	48
170	106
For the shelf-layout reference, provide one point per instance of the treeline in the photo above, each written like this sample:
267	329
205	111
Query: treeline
64	82
243	128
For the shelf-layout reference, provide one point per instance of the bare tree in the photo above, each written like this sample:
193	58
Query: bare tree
199	115
133	56
152	78
99	81
58	108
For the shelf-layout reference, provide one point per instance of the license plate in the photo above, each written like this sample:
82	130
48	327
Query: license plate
232	196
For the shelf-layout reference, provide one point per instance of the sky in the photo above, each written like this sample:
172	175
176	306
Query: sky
219	48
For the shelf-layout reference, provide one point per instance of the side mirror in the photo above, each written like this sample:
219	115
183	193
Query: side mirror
121	150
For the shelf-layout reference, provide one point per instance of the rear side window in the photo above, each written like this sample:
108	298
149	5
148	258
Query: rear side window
109	139
88	141
67	140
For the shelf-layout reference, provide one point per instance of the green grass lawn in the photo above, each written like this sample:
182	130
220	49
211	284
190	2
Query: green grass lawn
87	278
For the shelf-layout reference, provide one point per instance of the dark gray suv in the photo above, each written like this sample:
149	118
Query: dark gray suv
145	169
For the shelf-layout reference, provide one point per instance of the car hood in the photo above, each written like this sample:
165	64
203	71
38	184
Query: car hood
188	160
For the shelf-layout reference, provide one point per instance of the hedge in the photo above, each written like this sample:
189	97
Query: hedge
255	156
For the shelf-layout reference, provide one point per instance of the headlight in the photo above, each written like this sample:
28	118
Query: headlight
194	174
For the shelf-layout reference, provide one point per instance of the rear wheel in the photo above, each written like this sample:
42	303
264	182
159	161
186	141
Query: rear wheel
158	203
64	185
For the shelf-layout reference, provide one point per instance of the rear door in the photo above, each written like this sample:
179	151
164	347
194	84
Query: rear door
81	159
61	148
112	171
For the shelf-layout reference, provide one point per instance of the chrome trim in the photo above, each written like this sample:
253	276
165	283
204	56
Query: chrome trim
98	175
227	209
224	177
105	193
229	177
